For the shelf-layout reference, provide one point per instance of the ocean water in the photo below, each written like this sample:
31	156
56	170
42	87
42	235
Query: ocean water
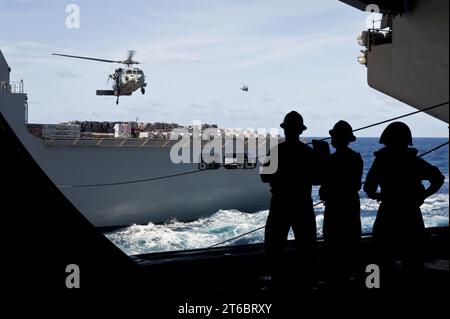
225	224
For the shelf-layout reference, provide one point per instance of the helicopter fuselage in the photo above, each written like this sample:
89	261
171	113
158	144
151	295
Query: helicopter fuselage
128	80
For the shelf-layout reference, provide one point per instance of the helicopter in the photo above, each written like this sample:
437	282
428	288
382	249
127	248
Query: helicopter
244	88
126	80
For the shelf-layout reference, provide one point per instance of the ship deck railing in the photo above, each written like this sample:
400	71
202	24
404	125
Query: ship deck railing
122	142
11	86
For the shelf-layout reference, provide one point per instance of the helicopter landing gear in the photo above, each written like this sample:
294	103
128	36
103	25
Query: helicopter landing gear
118	95
143	90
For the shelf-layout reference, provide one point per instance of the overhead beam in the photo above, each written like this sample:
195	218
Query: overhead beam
386	6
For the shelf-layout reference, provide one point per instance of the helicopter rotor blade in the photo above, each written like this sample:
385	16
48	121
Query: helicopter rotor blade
129	60
86	58
131	54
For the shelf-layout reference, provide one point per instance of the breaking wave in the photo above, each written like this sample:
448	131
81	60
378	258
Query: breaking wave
225	224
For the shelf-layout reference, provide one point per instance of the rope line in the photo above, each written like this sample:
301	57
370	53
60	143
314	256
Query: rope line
199	170
433	149
135	181
250	232
316	204
391	119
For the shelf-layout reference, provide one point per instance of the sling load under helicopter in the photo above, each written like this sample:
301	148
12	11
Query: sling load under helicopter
126	80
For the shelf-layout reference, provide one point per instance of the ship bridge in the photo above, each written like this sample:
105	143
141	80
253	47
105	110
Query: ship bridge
6	85
11	92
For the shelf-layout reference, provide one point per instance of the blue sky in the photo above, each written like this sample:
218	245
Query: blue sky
298	54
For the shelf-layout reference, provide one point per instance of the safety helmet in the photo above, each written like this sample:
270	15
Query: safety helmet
293	120
396	134
343	130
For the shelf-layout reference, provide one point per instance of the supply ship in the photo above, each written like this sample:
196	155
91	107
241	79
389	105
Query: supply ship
119	181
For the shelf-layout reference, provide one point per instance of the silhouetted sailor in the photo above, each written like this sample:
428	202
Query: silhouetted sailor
340	186
291	203
399	229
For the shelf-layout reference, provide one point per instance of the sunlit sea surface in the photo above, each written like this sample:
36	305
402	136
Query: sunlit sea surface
225	224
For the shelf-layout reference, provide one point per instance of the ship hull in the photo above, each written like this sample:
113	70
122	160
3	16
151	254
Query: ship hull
117	186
